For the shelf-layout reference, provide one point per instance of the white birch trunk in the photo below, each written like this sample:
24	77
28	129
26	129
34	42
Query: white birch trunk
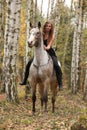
5	44
35	13
56	27
31	11
16	37
2	24
48	9
27	31
74	56
11	49
0	33
85	21
85	83
0	20
65	46
75	66
52	8
31	17
41	8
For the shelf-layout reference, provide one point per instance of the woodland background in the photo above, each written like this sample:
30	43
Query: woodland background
70	24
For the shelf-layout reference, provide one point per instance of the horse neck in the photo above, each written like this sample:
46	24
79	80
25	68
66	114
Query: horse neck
40	55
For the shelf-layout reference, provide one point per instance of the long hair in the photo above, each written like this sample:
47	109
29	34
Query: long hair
51	31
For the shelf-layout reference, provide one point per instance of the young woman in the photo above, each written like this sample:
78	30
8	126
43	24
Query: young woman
48	39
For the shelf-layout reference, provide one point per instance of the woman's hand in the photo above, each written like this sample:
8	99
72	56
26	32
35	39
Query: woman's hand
47	47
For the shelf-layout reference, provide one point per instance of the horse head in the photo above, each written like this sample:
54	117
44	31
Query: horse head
35	35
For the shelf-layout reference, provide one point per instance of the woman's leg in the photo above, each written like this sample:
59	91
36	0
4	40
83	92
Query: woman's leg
57	68
26	74
58	71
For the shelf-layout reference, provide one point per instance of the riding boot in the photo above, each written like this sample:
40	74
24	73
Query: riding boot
26	74
59	76
58	72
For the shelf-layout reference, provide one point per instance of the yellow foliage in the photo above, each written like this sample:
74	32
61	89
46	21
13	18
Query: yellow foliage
22	32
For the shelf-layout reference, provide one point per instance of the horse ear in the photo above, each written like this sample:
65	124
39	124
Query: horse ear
39	24
31	25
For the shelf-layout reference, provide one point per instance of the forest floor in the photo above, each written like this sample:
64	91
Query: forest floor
69	109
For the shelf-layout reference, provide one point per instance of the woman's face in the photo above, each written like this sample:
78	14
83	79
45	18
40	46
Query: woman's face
48	27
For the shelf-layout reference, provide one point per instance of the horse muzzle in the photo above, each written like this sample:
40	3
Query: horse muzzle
30	44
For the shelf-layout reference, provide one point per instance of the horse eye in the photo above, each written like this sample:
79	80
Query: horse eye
38	33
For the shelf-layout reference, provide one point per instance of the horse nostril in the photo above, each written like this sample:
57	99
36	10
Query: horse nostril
29	43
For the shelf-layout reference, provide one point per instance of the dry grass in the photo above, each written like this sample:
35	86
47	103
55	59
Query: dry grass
69	108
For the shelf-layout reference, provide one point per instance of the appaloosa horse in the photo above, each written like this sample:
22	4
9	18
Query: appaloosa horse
41	71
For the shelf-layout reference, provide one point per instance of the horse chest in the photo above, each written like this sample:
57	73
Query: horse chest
41	72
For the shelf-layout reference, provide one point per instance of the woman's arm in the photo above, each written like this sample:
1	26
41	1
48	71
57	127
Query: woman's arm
49	44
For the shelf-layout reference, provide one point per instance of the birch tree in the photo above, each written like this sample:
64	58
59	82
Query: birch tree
85	83
71	5
5	44
56	21
41	8
48	9
10	51
31	16
32	11
52	8
29	19
75	65
0	20
85	48
35	13
0	29
2	15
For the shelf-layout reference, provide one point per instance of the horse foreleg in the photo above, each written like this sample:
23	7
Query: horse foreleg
41	104
53	104
33	101
54	94
45	100
41	91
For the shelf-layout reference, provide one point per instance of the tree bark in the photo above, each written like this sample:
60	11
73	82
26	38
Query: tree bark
7	24
41	8
35	13
75	65
85	83
10	52
0	21
31	11
27	32
52	8
48	9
